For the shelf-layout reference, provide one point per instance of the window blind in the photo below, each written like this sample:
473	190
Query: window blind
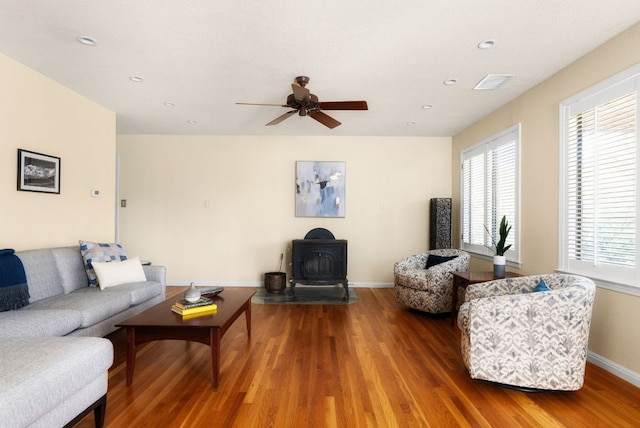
599	181
490	190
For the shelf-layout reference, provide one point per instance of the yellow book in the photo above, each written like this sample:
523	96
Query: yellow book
209	308
200	314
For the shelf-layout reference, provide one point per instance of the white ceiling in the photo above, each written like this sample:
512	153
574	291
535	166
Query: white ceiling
206	55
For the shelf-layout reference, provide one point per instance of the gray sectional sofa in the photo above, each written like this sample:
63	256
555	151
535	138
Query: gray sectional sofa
49	376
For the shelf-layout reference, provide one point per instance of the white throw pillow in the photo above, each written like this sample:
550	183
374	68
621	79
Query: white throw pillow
115	273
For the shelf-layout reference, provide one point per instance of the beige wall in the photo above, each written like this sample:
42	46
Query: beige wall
614	332
38	114
249	219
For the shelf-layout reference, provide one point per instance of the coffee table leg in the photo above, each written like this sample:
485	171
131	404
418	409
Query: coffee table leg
214	341
131	353
247	314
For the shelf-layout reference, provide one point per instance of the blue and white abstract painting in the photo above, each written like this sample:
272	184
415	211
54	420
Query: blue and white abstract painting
320	189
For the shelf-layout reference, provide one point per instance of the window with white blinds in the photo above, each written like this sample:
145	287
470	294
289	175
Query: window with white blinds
599	181
490	189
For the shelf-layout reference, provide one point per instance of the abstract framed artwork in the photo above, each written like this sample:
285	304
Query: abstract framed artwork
320	189
38	172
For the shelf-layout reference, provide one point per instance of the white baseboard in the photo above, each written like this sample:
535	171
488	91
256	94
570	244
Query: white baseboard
371	284
614	368
217	284
261	284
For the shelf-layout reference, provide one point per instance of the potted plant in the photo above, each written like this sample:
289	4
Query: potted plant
499	259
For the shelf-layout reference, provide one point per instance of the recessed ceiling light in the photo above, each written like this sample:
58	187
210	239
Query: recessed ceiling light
170	104
450	82
192	122
86	40
411	123
426	106
486	44
136	79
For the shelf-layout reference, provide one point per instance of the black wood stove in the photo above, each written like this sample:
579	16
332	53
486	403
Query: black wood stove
319	259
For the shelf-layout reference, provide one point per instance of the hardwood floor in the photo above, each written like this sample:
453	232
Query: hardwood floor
369	364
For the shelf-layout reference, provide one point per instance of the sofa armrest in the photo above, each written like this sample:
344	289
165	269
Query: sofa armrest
525	284
500	287
157	274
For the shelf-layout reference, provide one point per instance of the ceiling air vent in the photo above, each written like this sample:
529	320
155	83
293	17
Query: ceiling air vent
491	82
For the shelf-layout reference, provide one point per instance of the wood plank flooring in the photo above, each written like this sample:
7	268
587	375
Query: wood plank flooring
369	364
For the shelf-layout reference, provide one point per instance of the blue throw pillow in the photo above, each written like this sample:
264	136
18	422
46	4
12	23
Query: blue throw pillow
542	286
436	260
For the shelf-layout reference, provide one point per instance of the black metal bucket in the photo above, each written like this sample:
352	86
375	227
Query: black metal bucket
275	282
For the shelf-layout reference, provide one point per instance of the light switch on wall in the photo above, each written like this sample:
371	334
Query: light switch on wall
123	203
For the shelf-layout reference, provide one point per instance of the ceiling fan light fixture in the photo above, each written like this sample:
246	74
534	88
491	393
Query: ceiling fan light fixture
304	103
491	82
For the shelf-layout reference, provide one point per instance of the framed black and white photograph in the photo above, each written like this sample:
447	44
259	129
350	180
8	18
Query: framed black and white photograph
38	172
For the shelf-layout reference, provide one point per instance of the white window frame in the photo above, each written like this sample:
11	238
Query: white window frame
513	133
617	278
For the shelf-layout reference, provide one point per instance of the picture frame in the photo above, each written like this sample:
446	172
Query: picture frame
320	189
38	172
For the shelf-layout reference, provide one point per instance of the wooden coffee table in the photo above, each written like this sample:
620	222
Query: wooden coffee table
462	279
160	323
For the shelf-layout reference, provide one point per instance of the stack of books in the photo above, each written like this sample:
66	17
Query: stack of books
203	305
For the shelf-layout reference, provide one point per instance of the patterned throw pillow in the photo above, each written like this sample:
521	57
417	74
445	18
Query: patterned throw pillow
542	286
97	252
433	260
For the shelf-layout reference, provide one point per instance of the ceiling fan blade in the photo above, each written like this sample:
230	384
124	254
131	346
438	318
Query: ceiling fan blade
343	105
279	119
324	119
258	104
300	93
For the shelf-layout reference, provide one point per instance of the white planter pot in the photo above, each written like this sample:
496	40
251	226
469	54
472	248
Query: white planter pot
499	263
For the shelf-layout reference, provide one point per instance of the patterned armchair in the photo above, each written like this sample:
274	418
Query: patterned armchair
531	340
430	289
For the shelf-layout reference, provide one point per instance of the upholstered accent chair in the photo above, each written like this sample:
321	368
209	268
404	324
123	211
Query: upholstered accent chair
429	289
531	340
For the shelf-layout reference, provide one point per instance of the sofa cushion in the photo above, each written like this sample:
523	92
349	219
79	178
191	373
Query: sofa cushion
43	277
54	322
139	292
99	252
39	374
116	273
71	268
93	305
